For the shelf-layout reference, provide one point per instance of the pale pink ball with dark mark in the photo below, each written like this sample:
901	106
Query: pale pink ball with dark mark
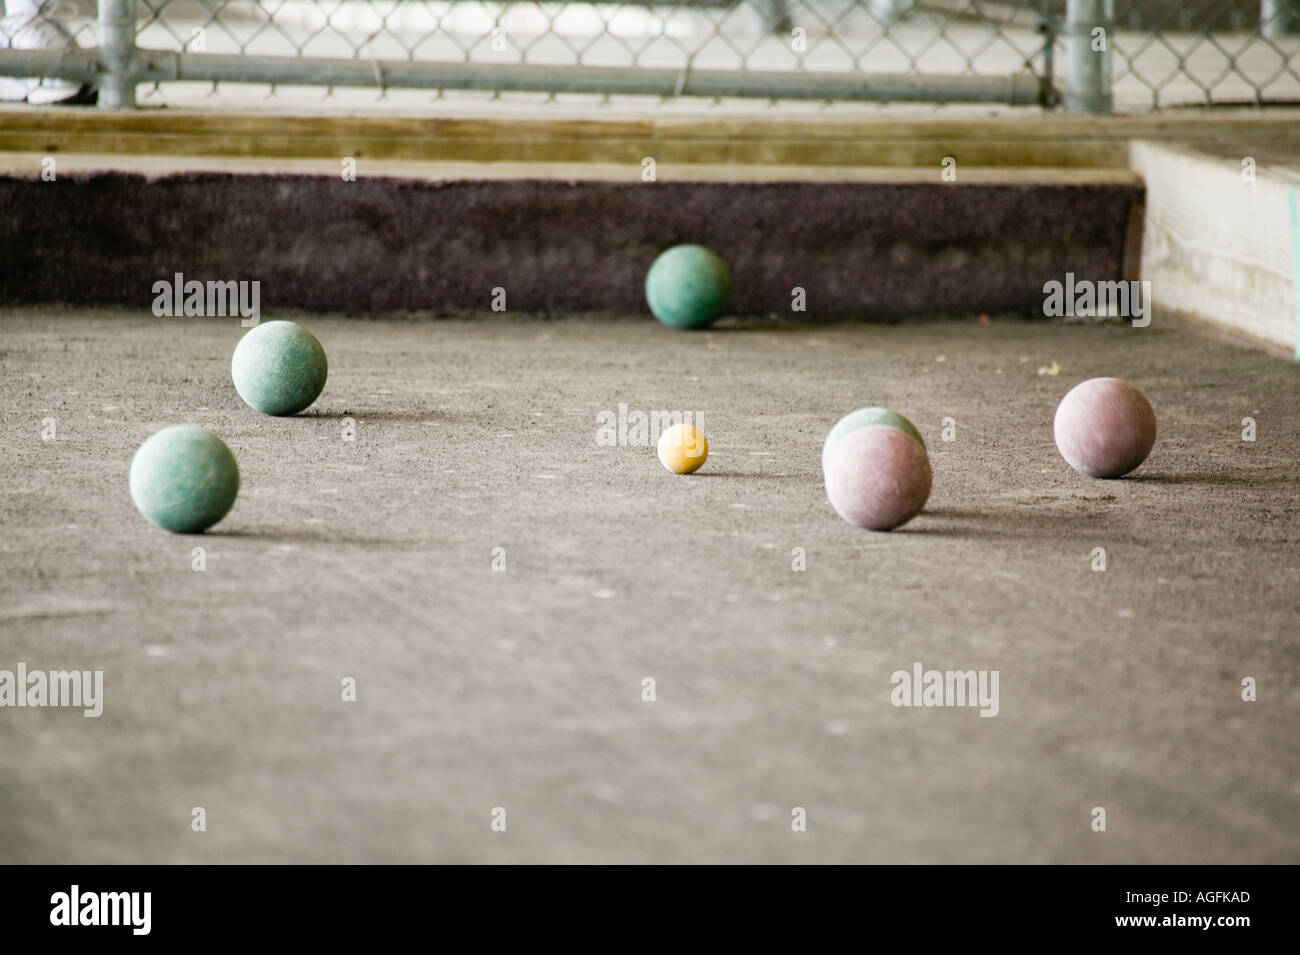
878	477
1104	427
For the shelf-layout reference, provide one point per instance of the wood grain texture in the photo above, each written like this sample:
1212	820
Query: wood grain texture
1216	246
1029	140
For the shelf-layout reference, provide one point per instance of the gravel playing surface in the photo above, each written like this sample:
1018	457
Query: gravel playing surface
522	689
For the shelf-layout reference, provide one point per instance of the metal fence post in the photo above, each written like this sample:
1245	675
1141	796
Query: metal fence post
775	15
1279	18
1087	56
117	54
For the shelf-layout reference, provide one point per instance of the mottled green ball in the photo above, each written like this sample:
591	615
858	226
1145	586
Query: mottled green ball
184	479
688	286
860	419
279	368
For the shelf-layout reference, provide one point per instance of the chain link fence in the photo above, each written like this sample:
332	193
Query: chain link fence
1090	55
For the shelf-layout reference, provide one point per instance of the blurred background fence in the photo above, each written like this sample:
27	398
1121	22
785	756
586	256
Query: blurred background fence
1088	55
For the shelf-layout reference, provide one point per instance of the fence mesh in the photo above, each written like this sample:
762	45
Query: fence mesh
1163	52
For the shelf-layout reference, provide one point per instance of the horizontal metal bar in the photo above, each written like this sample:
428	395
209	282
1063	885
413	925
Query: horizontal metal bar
157	66
54	64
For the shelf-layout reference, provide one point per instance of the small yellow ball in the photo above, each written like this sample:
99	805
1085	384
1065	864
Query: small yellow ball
683	448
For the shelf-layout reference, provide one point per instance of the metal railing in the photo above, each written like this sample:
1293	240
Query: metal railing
1090	56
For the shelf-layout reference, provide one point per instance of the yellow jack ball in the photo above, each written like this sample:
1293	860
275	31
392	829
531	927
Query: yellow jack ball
683	448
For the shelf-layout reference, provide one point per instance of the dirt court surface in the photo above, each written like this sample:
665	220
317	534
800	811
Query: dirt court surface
522	689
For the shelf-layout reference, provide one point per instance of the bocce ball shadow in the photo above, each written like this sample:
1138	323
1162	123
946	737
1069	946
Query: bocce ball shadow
735	475
918	525
974	524
295	536
1228	479
401	416
955	513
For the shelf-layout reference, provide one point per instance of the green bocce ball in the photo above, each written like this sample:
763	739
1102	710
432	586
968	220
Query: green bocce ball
688	286
861	419
279	368
184	479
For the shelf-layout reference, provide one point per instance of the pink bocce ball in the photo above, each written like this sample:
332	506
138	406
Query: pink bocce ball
878	477
1104	427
